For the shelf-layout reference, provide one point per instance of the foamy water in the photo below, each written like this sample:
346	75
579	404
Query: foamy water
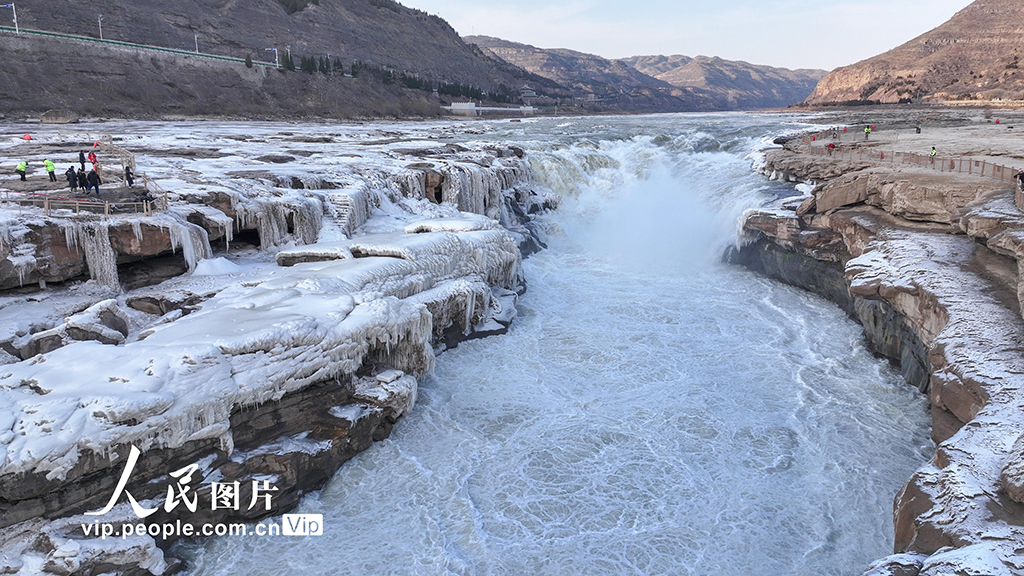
651	412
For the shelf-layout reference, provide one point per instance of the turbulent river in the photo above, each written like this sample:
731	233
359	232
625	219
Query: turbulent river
652	411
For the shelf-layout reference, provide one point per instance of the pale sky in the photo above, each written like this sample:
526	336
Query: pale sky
787	33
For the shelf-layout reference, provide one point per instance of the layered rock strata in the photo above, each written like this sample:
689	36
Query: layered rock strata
929	266
283	380
274	376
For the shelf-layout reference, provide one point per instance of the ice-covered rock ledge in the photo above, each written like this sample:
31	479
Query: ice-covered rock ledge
284	378
260	370
946	309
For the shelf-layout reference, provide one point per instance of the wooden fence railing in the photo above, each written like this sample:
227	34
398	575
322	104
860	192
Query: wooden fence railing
49	204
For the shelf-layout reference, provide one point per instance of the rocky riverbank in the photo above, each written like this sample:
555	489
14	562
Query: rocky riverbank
927	262
289	337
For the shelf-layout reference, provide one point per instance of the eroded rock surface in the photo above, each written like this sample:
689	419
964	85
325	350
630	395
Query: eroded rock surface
889	247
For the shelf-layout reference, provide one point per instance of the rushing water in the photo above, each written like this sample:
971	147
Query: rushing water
652	411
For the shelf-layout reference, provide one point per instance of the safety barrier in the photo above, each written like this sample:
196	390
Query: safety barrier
959	165
51	203
134	46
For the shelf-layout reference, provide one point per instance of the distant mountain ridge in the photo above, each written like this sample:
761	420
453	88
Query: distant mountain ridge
402	55
742	85
597	81
704	82
973	56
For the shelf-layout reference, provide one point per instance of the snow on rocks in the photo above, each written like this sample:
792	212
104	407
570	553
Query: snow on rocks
104	322
215	267
467	223
253	343
389	389
958	514
258	370
59	547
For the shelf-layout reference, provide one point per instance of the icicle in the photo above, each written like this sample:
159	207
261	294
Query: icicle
93	238
470	310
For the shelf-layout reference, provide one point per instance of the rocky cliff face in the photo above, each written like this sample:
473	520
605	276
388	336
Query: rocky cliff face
974	56
736	85
929	266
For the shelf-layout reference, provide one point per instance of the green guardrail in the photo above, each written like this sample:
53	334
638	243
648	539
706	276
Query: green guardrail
135	46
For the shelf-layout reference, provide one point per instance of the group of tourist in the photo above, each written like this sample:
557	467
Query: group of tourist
77	179
82	180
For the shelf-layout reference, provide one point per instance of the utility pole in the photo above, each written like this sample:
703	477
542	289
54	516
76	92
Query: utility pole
197	43
288	47
99	20
15	9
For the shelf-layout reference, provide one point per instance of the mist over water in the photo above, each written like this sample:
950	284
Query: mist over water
652	411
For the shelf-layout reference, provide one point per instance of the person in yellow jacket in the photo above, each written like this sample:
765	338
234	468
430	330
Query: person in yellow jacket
50	169
933	154
21	168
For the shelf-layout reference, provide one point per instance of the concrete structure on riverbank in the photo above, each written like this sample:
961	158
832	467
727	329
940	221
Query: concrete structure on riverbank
471	109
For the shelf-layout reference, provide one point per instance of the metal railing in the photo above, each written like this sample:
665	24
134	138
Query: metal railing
135	46
958	165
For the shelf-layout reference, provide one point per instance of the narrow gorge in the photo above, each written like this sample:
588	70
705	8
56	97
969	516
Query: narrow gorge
645	407
927	261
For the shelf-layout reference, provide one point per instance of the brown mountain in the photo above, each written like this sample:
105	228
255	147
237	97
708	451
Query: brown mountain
741	85
42	72
598	81
380	32
975	55
703	83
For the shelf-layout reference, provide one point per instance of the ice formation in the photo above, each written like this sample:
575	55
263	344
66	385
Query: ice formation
19	252
93	239
313	322
380	275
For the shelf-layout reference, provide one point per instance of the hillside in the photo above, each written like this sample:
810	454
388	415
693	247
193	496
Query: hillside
973	56
703	83
42	73
741	85
598	81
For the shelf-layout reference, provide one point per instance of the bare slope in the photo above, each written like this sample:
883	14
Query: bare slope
975	55
742	85
41	73
710	83
381	32
598	80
